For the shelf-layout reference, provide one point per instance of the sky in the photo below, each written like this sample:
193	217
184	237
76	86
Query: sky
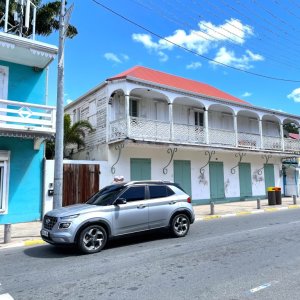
249	49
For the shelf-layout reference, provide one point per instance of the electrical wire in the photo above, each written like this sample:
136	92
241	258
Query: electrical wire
191	51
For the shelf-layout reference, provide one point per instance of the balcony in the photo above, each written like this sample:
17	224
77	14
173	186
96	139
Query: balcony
153	130
26	120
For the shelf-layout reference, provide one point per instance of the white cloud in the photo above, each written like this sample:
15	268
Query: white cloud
247	94
194	65
295	95
200	40
116	58
69	101
228	57
162	56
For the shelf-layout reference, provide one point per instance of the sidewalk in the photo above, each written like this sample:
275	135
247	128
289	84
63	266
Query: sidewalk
26	234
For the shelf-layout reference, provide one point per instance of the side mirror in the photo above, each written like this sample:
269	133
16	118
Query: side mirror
120	201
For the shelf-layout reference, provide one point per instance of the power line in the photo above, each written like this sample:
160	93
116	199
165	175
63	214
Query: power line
191	51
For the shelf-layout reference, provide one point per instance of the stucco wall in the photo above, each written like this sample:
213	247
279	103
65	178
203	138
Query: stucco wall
200	185
25	183
25	84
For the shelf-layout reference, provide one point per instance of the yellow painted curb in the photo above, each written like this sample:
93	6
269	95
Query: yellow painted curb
241	213
33	242
293	206
271	209
211	217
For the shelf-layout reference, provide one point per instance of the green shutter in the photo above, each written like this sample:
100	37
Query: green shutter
216	180
269	175
245	180
182	174
140	169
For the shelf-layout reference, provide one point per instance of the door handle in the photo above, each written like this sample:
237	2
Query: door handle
141	206
172	202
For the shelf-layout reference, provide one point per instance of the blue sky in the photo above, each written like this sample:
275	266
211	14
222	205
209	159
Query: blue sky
254	36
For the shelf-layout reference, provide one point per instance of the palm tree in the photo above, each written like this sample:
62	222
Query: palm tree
73	135
47	17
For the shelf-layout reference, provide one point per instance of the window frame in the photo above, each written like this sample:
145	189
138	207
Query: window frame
4	181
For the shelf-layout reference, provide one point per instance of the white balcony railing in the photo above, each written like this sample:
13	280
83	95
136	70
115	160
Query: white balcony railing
153	130
189	133
221	137
26	117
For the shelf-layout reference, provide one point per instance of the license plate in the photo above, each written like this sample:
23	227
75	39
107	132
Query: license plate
45	233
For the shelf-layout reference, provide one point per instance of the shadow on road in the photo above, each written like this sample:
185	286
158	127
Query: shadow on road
140	239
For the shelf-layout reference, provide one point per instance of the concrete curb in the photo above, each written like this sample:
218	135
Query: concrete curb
22	244
244	213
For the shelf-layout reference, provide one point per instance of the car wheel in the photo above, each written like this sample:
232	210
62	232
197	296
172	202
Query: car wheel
92	239
180	225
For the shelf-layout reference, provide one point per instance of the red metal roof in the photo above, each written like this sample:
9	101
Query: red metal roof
294	136
176	82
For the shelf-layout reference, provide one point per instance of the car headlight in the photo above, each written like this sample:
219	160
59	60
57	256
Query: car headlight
64	225
69	217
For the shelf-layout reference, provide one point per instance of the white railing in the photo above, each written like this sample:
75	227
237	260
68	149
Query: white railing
189	133
27	117
118	129
272	143
221	137
153	130
149	129
291	145
248	140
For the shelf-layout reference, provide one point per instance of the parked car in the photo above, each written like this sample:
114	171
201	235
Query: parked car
117	210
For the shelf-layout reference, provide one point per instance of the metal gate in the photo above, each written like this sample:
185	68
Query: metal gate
80	182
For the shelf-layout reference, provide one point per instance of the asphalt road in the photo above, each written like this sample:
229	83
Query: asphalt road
248	257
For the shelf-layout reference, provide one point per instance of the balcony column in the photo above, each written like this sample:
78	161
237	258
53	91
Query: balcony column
260	133
281	136
127	114
235	130
171	121
206	125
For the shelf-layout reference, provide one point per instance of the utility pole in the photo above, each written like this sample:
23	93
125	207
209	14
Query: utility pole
59	136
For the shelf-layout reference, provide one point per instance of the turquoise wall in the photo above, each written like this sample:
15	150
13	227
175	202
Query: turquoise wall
25	183
26	164
25	84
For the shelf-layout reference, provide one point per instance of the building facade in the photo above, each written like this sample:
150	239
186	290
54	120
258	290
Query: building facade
153	125
25	122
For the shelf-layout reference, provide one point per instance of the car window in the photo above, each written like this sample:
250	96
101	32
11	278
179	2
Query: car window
106	196
158	191
134	193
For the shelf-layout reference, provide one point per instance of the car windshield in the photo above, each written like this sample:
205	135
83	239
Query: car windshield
106	196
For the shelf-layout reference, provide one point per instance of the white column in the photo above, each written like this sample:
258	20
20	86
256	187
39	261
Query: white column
261	133
206	125
235	130
281	136
171	121
127	114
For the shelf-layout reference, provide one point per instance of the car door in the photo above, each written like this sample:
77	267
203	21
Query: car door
133	215
162	202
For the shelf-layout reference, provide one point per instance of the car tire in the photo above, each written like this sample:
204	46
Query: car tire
92	239
180	225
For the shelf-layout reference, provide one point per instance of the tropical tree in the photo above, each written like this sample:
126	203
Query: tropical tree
291	128
47	18
73	135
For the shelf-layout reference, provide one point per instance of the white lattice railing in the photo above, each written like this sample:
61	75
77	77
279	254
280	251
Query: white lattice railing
272	143
189	133
149	129
291	145
26	117
221	137
118	129
248	140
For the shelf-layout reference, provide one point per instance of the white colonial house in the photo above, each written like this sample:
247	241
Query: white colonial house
153	125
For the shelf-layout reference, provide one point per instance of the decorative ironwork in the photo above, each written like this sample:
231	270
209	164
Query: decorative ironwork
210	154
119	148
266	157
172	152
241	155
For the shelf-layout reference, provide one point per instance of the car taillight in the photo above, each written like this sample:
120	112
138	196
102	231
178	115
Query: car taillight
189	200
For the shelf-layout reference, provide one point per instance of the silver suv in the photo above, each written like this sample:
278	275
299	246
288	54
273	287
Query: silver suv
120	209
